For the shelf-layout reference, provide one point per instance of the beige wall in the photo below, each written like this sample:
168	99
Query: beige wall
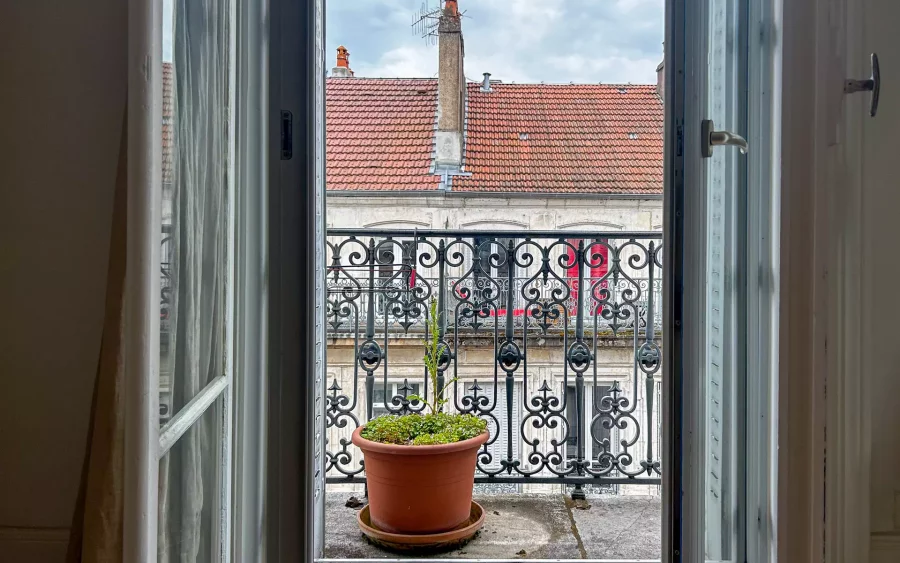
518	213
63	96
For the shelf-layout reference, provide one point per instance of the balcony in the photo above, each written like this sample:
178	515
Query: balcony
552	337
528	526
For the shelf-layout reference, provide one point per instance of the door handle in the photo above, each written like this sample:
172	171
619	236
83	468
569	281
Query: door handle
871	84
711	138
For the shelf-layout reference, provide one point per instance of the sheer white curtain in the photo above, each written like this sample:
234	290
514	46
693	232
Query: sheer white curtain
193	339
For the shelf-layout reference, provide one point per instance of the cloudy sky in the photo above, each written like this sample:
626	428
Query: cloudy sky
587	41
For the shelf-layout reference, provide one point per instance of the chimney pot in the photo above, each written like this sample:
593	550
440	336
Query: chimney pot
661	79
342	70
451	7
486	85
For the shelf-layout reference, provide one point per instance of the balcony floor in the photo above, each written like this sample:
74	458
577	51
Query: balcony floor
545	526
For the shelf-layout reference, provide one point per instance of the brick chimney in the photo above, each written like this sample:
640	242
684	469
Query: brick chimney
451	87
661	79
342	70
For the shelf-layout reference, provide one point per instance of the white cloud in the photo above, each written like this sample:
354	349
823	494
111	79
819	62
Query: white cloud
502	65
402	62
616	69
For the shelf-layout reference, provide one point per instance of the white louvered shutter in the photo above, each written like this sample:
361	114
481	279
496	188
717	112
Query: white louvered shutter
498	448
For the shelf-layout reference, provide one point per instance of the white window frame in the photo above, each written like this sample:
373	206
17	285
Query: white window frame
251	295
295	274
142	283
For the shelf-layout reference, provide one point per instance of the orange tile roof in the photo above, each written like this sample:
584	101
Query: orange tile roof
537	138
167	125
563	139
380	134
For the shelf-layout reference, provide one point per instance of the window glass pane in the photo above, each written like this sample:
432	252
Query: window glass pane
572	420
189	492
500	248
385	261
483	286
503	270
378	398
724	174
599	431
195	215
379	393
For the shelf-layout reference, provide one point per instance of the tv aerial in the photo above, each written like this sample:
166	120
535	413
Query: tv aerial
427	18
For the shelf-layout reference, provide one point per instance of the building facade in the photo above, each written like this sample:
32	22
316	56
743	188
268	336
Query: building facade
532	214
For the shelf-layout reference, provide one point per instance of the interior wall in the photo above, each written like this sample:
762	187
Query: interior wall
62	91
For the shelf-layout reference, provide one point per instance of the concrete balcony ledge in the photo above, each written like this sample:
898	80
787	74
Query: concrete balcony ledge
528	526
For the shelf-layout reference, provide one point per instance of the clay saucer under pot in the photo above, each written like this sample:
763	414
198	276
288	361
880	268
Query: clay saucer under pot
408	543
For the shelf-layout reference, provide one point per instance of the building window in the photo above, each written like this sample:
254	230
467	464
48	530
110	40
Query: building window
499	424
393	274
382	399
596	431
492	276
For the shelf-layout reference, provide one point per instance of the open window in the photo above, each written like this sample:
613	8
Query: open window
593	266
495	275
395	265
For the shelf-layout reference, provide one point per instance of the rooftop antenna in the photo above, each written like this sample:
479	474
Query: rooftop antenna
425	20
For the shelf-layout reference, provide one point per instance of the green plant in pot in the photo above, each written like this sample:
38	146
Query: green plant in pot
420	468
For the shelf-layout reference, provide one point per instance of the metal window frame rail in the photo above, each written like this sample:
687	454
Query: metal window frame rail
353	272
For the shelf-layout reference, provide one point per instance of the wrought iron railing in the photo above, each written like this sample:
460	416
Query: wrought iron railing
165	273
579	294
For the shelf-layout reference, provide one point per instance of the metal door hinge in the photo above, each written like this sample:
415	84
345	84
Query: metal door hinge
679	140
287	135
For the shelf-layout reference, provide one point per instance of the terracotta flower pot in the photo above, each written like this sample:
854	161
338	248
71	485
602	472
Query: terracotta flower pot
419	489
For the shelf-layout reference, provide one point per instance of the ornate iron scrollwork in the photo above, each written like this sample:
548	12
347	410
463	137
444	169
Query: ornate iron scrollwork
565	295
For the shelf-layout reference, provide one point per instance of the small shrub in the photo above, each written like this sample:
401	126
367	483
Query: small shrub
436	427
423	430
